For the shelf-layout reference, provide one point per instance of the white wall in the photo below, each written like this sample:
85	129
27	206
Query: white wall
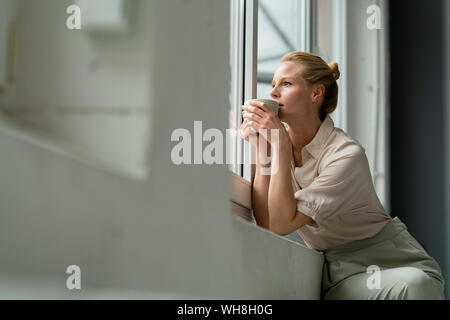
91	90
362	89
6	14
170	233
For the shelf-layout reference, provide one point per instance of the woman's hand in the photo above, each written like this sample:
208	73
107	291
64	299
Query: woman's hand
257	141
248	134
262	117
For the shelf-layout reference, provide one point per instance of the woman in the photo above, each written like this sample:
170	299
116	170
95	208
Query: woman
323	189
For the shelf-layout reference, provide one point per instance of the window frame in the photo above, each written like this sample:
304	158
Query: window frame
339	36
245	50
250	80
237	68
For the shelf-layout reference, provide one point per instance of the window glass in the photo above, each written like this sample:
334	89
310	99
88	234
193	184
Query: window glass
279	32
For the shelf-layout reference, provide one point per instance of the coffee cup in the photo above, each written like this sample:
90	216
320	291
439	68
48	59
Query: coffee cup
273	105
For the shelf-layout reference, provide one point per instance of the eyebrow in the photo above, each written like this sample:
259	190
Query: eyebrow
283	78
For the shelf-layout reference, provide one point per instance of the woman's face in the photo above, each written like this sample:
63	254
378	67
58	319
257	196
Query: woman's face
295	97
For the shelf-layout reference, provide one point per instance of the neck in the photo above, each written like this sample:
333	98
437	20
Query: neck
302	132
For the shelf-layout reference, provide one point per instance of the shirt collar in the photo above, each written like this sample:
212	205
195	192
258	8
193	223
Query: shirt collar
316	146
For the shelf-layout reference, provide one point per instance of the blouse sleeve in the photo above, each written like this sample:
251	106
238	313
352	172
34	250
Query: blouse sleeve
343	177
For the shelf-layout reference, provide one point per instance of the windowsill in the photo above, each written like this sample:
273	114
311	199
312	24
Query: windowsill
288	239
241	191
241	207
241	198
19	129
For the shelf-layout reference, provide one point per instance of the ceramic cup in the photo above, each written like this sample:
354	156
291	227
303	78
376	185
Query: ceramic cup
270	103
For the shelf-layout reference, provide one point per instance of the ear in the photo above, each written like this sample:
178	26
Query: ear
318	92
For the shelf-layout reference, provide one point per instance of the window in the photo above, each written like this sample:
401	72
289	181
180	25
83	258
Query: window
237	8
264	31
279	32
261	33
243	87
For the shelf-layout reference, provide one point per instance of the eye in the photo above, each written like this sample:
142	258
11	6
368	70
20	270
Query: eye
287	83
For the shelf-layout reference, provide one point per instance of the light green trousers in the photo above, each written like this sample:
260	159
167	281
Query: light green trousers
390	265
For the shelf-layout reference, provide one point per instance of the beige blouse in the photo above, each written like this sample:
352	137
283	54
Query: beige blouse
334	187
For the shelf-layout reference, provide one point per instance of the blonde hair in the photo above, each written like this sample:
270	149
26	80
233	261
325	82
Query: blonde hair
317	71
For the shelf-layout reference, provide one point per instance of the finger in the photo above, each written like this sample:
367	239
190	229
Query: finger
254	124
245	128
247	124
255	110
252	116
243	133
261	105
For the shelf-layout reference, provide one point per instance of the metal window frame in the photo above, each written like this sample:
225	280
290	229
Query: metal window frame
248	154
237	44
245	52
244	86
306	35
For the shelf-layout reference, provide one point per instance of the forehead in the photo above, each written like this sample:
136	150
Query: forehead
289	69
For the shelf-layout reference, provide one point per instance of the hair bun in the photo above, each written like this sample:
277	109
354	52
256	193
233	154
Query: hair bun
334	66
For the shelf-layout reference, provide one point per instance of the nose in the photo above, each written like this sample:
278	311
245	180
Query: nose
274	92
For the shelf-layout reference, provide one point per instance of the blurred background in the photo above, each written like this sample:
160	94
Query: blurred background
420	124
86	118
